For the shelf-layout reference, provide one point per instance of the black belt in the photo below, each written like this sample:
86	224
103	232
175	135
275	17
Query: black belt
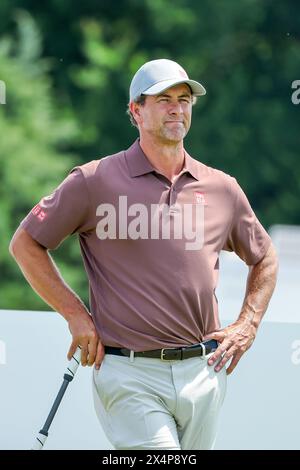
168	354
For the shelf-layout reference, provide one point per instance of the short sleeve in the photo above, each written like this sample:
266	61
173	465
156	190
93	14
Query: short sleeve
62	213
246	237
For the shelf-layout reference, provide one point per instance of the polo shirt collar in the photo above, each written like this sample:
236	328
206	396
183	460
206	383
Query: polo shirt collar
192	166
138	163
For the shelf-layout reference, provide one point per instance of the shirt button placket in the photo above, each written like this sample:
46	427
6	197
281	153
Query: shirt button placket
172	199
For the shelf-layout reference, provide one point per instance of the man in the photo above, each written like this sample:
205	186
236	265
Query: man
152	222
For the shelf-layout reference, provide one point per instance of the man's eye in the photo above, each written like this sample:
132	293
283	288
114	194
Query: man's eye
163	99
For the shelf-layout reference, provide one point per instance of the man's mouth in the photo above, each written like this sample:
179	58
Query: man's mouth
172	122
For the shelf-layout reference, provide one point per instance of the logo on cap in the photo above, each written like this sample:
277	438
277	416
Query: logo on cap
183	73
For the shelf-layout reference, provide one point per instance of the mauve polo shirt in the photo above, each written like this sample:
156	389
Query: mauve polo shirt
149	293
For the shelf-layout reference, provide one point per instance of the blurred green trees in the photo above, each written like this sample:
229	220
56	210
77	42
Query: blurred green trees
35	133
67	68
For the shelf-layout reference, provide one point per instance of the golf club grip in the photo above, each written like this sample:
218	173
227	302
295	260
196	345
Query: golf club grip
74	363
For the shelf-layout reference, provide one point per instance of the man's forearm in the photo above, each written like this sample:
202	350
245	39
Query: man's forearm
260	286
42	274
238	337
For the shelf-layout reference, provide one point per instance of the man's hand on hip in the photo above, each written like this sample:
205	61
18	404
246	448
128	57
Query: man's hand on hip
234	341
85	335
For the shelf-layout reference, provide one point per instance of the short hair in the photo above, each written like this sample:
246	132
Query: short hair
141	100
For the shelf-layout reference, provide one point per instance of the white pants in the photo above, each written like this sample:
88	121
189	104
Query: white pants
154	404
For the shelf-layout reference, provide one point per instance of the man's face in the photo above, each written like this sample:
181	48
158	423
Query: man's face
167	116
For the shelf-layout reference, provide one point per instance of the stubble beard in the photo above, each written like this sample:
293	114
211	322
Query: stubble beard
173	135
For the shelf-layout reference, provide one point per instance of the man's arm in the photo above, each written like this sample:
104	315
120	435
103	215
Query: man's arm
235	339
42	274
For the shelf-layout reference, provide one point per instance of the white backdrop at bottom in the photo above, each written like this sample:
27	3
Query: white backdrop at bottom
261	409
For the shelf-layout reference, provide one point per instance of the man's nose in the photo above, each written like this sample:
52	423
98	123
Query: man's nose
175	108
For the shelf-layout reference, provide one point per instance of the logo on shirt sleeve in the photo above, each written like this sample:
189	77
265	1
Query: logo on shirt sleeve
38	212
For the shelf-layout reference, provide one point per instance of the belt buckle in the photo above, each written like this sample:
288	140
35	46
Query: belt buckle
162	354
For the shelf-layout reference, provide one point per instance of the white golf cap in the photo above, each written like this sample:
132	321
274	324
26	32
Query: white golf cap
158	75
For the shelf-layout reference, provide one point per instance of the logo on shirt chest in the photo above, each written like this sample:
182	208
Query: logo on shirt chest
200	198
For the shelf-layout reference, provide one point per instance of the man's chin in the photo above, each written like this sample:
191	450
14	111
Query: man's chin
174	137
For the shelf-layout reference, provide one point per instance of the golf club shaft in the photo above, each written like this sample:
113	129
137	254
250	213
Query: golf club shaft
55	406
68	377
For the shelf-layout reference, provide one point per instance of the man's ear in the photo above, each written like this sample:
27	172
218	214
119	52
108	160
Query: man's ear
135	110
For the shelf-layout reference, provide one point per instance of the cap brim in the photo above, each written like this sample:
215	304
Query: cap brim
197	88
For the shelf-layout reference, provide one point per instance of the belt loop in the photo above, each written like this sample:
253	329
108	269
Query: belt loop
131	356
182	353
203	351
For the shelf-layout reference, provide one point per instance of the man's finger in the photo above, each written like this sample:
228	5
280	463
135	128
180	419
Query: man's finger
84	354
100	355
226	357
72	350
92	350
217	335
218	352
233	363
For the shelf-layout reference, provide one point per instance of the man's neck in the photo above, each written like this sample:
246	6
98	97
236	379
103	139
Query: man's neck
166	159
